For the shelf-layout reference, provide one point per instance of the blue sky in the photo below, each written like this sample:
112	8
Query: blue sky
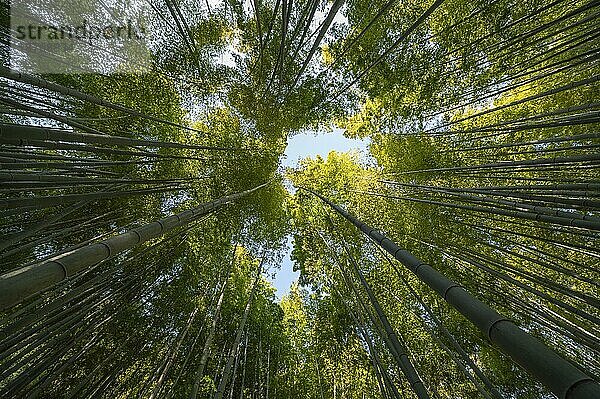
309	144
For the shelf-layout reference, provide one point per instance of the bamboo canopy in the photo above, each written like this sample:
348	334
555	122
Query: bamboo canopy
564	379
143	255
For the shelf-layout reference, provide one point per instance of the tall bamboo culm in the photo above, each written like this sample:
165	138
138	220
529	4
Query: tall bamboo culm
18	285
560	376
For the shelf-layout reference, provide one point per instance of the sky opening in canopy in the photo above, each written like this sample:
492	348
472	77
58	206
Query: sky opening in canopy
308	145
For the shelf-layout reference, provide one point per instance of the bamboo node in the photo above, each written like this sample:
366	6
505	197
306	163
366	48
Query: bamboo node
64	268
107	247
137	234
449	288
489	331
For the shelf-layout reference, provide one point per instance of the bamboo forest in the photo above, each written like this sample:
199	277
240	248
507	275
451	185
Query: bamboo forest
149	200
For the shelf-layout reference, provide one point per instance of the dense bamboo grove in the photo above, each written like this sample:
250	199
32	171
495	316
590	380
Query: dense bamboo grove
143	211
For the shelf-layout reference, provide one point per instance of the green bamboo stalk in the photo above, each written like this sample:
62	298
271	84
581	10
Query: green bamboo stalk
559	375
20	284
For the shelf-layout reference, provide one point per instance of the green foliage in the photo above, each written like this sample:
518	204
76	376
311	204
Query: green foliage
476	126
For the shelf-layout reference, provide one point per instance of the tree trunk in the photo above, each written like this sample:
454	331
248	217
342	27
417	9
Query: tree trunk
559	375
238	338
18	285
